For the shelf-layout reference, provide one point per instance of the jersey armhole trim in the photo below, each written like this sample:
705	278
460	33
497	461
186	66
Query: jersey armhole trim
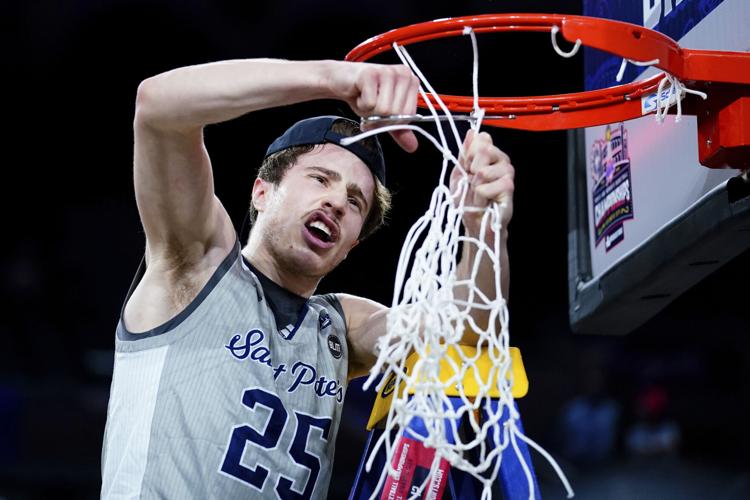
332	299
125	335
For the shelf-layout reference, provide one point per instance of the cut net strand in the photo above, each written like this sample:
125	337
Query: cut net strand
553	35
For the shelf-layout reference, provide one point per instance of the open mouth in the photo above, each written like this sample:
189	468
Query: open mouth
322	231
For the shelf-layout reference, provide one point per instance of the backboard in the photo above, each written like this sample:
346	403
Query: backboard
646	220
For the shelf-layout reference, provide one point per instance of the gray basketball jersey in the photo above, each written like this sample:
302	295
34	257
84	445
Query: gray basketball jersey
221	402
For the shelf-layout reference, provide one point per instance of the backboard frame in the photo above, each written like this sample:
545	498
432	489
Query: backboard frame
707	235
677	222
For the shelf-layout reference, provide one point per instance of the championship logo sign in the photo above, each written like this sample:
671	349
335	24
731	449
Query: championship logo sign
612	195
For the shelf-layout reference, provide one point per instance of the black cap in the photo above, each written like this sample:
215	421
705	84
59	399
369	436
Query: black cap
317	130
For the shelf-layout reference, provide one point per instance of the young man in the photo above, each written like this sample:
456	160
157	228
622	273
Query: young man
229	373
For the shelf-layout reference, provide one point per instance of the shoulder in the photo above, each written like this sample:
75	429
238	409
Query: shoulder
170	288
357	309
330	299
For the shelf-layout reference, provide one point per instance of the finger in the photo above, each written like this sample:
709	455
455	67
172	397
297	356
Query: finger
465	159
403	88
479	160
386	91
494	164
499	191
476	143
480	153
405	139
410	108
468	139
494	158
499	170
482	140
368	94
402	99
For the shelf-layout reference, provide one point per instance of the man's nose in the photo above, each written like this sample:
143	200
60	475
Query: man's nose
336	200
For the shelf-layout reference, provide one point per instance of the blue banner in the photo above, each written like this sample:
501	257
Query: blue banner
674	18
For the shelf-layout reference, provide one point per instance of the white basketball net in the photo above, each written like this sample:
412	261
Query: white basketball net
431	310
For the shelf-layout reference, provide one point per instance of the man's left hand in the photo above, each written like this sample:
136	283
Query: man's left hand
490	176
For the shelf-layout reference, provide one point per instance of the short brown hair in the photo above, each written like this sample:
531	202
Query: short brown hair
275	166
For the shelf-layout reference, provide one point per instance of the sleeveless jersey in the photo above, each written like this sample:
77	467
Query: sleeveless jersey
221	402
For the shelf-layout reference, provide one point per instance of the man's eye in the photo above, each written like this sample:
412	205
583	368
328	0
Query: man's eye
319	178
355	202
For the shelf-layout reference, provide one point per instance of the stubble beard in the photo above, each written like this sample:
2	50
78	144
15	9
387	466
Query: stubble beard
282	251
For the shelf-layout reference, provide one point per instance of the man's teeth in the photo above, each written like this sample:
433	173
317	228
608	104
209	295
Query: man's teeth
322	227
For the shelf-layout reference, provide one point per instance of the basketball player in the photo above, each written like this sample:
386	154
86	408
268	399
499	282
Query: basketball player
230	373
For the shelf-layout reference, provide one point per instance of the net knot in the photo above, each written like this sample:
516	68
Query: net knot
675	94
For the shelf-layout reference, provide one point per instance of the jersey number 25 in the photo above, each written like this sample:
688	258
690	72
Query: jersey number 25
269	440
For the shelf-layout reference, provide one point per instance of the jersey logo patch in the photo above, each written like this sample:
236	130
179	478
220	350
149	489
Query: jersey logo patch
324	320
334	345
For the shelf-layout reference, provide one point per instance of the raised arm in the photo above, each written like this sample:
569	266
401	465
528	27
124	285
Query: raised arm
188	231
173	179
491	180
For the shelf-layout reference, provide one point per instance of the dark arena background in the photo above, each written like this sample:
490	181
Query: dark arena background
660	413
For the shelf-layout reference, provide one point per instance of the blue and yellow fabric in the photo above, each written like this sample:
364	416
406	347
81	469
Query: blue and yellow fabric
512	482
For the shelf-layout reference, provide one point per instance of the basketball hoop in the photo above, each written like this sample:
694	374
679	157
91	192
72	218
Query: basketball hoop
723	118
431	386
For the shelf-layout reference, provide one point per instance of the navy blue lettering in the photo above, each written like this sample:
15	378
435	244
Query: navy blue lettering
278	370
263	355
274	428
331	388
242	434
304	374
305	370
340	394
319	386
301	456
252	338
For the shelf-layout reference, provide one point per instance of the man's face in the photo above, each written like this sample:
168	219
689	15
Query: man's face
313	218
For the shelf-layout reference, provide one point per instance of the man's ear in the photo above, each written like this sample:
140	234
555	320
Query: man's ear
261	190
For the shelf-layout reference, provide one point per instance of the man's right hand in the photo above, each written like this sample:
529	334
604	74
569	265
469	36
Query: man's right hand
380	90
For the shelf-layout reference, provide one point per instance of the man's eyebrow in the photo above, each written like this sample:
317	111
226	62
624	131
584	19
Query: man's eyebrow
330	173
354	190
351	188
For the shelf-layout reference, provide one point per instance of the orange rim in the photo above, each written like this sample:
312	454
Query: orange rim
581	109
